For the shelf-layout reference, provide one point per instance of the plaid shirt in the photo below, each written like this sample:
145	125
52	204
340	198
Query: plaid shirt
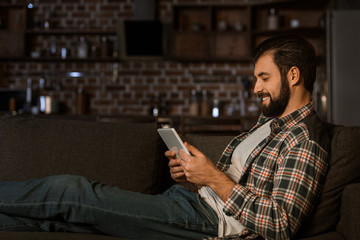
282	178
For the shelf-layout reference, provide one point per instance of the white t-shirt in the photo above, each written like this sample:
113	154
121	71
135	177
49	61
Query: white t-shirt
229	225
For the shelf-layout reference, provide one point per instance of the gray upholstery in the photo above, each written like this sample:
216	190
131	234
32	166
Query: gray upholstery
107	152
350	213
212	146
131	156
344	170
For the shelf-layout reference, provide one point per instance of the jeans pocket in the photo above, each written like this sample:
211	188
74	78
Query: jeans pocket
205	210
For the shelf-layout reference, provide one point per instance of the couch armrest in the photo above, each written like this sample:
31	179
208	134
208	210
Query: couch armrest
349	223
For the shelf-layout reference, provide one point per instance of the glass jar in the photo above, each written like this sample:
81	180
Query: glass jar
194	108
273	19
83	48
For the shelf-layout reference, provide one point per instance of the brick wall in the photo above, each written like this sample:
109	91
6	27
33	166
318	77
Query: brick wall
138	82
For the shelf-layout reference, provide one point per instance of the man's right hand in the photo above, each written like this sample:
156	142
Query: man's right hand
176	171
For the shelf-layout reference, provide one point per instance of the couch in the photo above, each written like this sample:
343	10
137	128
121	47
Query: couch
131	156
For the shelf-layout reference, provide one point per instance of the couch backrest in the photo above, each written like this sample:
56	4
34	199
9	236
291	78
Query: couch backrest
211	146
344	169
129	156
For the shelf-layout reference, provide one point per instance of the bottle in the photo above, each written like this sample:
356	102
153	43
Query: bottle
104	46
155	111
115	47
48	83
194	109
80	101
64	53
28	100
164	107
12	106
155	108
273	19
215	112
41	84
242	105
53	46
231	108
32	19
42	103
205	104
47	17
39	95
83	48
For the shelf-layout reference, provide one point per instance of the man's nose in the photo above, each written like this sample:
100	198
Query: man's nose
257	87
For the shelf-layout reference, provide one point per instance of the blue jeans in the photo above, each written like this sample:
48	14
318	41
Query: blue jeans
74	204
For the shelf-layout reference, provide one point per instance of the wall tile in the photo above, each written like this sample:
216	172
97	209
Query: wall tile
138	82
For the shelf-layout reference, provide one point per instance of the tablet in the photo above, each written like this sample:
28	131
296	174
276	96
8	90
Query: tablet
172	140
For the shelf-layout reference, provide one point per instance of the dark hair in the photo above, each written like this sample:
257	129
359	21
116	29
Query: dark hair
289	51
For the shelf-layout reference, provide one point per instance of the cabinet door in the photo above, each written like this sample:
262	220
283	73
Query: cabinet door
230	18
192	26
230	46
214	32
191	45
291	18
13	23
192	18
287	16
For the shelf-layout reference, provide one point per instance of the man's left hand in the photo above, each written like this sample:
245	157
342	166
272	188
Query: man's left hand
201	171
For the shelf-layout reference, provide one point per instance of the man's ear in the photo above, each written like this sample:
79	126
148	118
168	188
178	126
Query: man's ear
294	76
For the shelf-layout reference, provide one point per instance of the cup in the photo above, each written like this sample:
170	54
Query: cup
222	25
64	53
238	26
294	23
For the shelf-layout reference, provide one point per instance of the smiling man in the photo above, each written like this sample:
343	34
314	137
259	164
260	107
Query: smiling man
268	179
265	184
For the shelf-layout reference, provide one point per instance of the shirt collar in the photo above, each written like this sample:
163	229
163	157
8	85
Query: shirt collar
290	120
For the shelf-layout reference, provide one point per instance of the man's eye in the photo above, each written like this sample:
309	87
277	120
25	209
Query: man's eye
265	79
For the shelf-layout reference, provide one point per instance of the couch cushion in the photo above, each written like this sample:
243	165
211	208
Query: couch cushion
344	169
211	146
349	224
122	155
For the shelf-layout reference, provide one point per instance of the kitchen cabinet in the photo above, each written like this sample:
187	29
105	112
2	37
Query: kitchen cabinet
200	32
214	32
64	45
23	37
294	17
12	30
230	32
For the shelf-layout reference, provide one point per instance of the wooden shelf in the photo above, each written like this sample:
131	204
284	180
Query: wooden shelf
217	32
201	32
56	59
70	32
11	5
211	32
310	31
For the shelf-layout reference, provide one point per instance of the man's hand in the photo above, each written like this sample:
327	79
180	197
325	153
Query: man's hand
176	171
200	170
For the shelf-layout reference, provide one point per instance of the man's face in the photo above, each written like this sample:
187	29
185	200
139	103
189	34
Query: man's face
272	89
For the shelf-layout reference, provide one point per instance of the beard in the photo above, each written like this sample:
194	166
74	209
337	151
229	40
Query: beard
277	105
